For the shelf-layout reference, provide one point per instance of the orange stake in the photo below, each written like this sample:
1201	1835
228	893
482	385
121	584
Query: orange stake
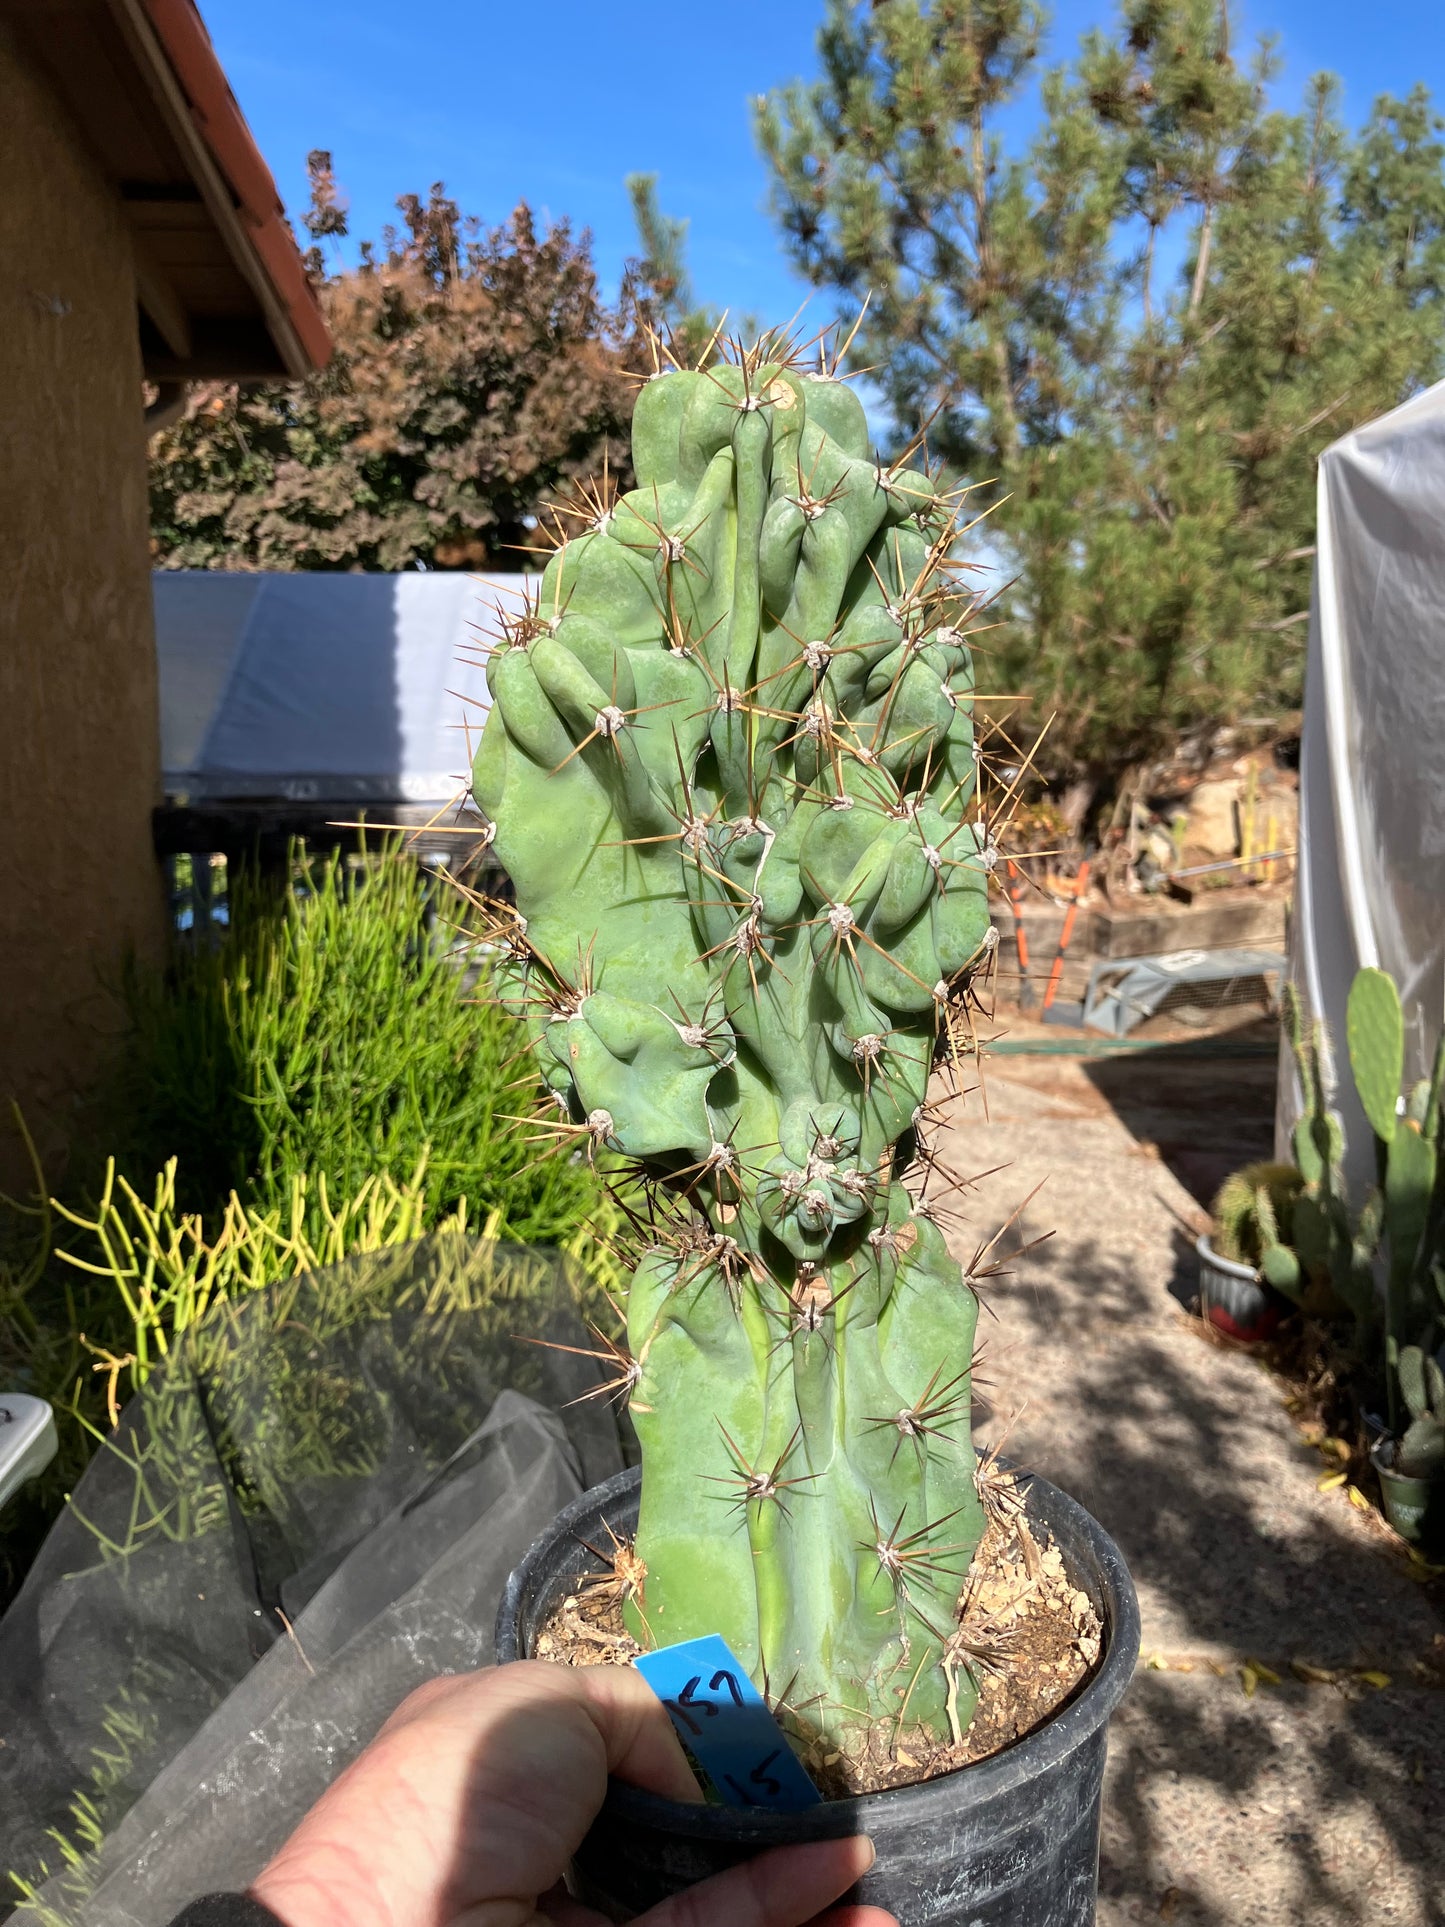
1056	971
1021	942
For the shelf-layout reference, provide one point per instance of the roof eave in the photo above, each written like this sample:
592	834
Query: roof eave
174	52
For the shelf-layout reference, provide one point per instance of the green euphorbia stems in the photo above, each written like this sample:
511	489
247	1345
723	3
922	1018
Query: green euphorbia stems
731	761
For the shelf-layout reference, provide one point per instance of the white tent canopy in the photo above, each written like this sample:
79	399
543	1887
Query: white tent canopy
328	688
1371	884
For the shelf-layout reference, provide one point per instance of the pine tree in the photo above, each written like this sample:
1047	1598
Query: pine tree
659	284
1135	332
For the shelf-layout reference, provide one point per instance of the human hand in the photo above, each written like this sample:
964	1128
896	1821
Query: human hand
467	1806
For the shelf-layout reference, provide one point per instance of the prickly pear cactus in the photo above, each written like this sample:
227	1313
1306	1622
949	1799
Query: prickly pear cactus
1403	1215
1329	1245
1421	1377
1408	1207
730	763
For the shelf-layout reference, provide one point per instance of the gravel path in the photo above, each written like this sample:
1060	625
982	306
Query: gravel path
1308	1804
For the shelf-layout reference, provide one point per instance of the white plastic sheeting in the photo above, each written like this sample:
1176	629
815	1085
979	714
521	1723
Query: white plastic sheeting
1371	874
330	687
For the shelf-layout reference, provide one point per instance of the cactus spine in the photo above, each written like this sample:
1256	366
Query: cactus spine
731	761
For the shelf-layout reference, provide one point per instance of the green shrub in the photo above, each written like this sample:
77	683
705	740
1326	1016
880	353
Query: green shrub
339	1033
330	1079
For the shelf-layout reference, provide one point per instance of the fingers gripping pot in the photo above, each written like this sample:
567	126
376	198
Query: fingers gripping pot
1010	1842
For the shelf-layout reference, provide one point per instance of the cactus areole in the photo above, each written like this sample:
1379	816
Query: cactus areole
731	766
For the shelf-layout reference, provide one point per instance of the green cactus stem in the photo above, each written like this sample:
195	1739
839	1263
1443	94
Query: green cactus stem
1421	1377
1402	1217
731	765
1253	1215
1329	1245
1407	1206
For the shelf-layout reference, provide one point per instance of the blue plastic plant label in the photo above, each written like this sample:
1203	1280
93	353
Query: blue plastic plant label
724	1723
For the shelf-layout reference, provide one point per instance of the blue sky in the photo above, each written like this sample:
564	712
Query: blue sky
555	106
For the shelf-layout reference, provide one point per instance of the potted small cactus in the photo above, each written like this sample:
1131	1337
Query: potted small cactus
1411	1468
733	775
1285	1232
1248	1262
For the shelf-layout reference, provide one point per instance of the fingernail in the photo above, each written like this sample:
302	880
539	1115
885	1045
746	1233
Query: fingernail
872	1850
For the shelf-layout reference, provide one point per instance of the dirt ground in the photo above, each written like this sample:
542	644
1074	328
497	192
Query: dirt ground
1302	1803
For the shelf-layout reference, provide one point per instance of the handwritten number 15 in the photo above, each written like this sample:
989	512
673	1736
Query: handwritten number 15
761	1779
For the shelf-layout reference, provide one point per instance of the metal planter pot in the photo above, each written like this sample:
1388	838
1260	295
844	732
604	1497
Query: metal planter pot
1234	1298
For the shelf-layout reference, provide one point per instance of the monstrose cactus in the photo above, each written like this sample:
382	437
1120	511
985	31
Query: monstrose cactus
731	767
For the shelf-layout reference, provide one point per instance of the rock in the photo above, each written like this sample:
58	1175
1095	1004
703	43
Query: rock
1212	819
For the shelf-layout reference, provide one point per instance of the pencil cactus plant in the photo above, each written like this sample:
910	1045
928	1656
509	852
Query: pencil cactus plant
731	766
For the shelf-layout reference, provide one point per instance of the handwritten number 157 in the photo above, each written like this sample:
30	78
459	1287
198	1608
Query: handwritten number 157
685	1706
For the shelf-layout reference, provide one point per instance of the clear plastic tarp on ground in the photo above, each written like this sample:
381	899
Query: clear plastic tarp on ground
1371	871
330	686
311	1508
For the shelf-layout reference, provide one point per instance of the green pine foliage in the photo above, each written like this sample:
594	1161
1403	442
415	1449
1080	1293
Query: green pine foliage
658	284
1134	332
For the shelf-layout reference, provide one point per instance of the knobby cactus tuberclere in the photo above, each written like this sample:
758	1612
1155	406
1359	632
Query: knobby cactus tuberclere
732	771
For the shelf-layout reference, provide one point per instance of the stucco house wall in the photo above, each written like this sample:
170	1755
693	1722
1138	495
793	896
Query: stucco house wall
79	752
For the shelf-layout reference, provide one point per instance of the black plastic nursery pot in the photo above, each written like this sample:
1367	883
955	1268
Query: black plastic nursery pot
1234	1298
1012	1841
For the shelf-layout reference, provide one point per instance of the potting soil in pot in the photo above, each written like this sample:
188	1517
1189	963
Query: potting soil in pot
1030	1637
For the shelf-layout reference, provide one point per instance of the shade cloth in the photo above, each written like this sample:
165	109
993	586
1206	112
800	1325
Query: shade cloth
336	687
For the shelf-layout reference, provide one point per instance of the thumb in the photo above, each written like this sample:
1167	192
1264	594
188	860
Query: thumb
785	1887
